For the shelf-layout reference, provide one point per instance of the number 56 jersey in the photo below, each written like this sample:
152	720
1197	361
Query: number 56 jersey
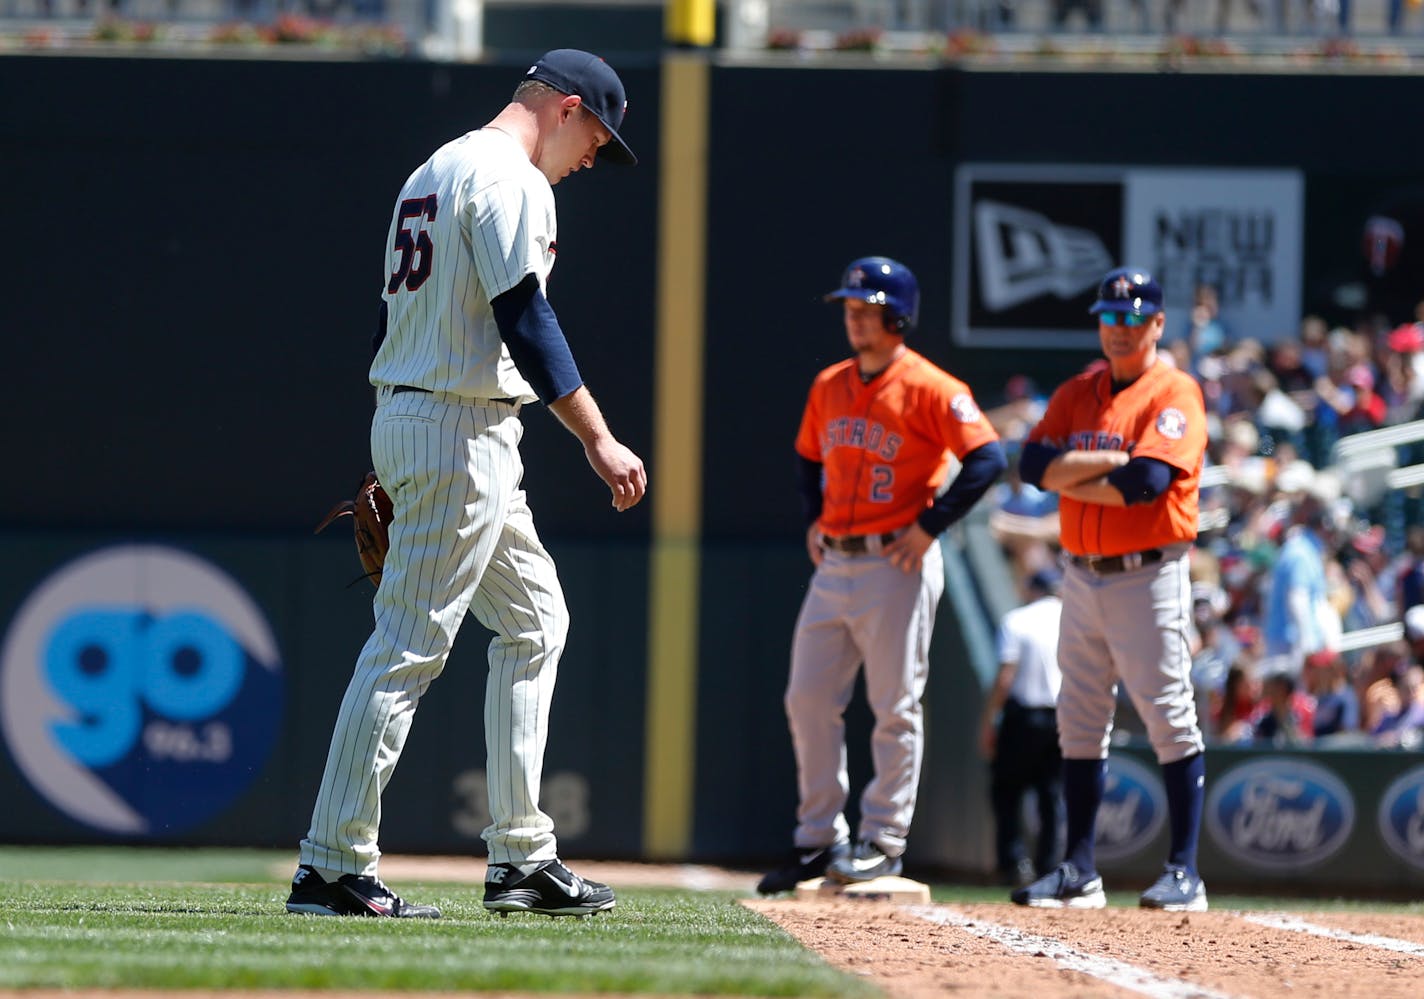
469	225
885	447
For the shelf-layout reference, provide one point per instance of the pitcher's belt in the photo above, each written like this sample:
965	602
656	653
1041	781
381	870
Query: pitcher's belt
398	389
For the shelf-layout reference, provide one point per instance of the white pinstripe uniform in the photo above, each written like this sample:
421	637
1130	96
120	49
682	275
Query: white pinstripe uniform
468	226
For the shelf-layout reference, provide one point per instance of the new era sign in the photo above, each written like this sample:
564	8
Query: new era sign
1032	243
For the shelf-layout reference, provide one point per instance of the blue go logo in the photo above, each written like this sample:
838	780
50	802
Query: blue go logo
111	666
140	690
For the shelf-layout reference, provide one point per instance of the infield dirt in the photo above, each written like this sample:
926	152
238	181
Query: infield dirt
983	951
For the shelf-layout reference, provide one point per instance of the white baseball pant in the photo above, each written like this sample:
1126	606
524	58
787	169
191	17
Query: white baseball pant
1131	627
861	609
462	540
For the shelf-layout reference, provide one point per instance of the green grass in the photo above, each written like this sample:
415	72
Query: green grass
166	919
173	919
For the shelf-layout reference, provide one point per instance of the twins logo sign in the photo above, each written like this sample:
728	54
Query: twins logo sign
140	690
1280	813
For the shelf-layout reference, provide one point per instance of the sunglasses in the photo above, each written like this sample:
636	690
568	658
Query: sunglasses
1123	319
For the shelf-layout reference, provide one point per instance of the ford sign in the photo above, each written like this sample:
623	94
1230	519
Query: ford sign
1279	813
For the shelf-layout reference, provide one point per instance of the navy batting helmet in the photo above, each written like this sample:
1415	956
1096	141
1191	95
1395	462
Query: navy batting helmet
1128	289
882	281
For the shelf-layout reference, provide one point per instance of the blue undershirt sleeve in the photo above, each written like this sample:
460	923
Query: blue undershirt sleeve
379	336
1142	480
808	484
1033	462
979	470
530	330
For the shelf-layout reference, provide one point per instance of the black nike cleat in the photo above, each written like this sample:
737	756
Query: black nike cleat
804	864
350	895
550	890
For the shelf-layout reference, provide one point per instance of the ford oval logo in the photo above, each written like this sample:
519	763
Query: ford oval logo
1401	816
1133	809
1280	813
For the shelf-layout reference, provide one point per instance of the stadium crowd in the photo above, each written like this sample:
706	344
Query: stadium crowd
1304	545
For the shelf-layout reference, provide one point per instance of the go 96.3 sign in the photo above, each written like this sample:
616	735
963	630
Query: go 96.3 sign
140	690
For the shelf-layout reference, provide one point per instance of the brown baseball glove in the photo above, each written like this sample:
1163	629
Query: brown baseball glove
370	514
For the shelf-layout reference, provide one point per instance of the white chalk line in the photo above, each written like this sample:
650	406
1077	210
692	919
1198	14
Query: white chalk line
1283	921
1107	969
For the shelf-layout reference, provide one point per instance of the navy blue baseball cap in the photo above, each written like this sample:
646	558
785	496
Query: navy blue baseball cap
585	75
1046	580
1128	289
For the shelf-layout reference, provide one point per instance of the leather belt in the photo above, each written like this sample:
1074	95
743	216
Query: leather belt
858	544
398	389
1108	565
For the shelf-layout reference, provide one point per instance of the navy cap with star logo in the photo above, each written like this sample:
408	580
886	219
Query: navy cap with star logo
1128	289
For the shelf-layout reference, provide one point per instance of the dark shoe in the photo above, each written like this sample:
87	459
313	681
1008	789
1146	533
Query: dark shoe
1062	888
551	890
867	863
350	895
804	864
1177	890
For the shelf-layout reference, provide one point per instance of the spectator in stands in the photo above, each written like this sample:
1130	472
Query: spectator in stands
1232	715
1204	333
1402	365
1379	677
1020	412
1337	707
1362	565
1297	614
1366	408
1285	715
1403	727
1241	390
1315	346
1409	582
1217	647
1287	362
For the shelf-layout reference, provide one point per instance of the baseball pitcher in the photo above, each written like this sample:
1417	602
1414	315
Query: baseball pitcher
466	339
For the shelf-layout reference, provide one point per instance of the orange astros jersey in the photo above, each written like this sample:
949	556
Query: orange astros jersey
885	446
1158	416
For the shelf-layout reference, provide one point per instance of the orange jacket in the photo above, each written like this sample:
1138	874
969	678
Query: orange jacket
1160	416
885	447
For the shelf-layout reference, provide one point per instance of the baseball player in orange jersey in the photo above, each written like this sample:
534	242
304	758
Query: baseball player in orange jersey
874	449
1122	445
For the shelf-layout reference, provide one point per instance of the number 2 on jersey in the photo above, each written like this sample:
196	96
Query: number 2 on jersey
413	244
882	484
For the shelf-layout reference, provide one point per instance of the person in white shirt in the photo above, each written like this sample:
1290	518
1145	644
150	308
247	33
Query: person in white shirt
1018	733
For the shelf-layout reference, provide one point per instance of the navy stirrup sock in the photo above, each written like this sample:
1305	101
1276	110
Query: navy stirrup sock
1184	781
1083	782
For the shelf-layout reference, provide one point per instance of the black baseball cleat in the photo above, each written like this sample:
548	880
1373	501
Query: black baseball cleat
1177	890
350	895
1064	887
805	863
550	890
867	863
